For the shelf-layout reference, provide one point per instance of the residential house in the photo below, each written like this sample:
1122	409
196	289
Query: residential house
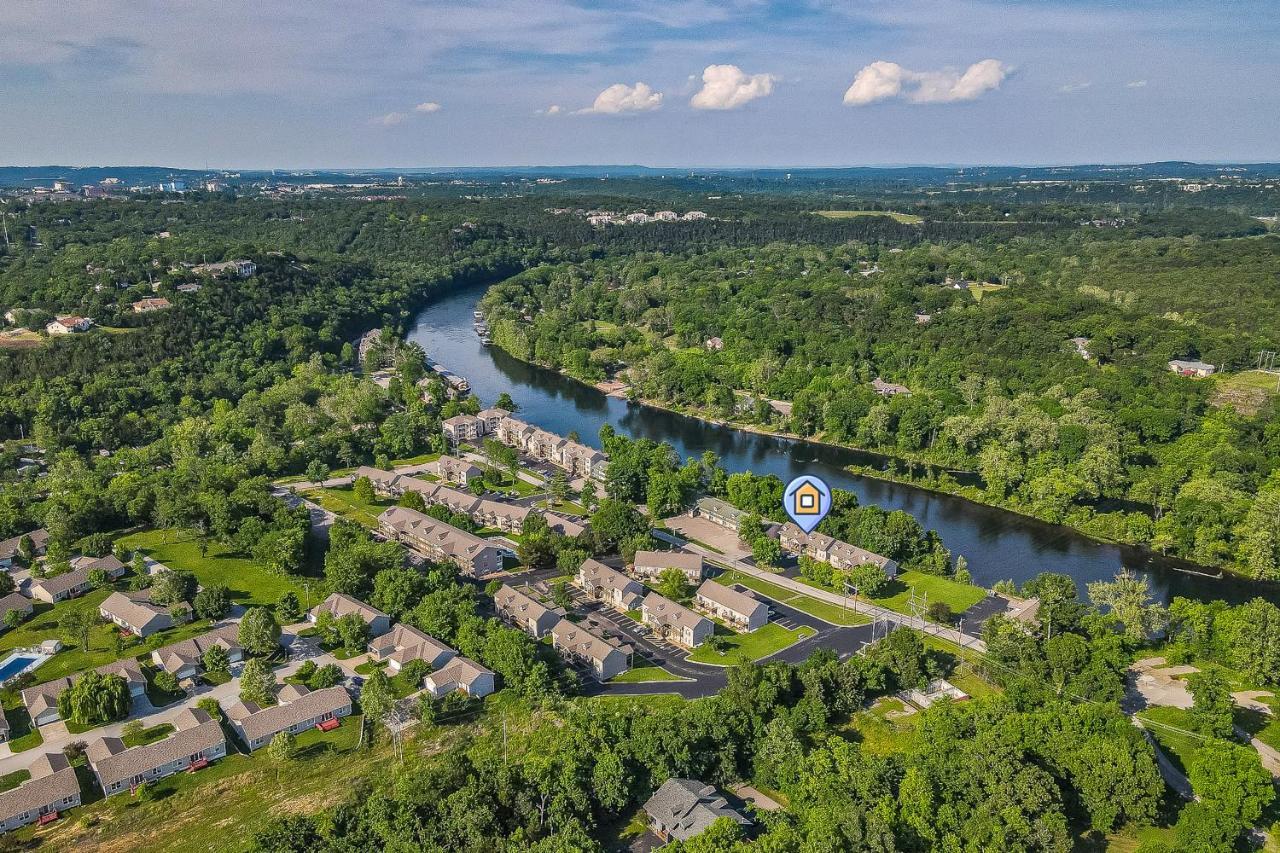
650	564
714	344
41	701
198	739
565	526
109	564
826	549
440	541
463	428
241	268
604	657
456	470
491	418
671	621
68	324
718	512
52	789
151	303
684	808
385	483
1082	347
185	658
298	710
1197	369
404	643
524	612
9	547
190	287
742	610
135	613
609	585
889	389
15	601
460	674
340	604
666	216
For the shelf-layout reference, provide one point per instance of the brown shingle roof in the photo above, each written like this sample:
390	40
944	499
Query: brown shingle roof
277	718
196	732
52	780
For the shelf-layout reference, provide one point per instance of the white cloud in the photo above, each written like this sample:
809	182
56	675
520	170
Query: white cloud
390	119
883	80
1073	88
621	98
1136	84
427	107
726	87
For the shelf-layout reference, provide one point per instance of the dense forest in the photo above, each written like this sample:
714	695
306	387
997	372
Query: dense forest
980	334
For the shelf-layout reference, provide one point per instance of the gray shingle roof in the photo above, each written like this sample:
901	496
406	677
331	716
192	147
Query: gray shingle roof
52	780
196	732
686	807
307	706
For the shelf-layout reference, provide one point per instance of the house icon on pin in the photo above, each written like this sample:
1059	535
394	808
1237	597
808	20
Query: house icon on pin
807	500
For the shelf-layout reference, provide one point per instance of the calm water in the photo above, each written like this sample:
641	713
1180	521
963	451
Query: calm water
996	543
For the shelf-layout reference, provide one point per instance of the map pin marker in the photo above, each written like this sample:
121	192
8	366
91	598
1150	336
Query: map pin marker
807	500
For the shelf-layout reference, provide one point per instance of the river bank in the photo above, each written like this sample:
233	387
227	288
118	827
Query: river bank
997	543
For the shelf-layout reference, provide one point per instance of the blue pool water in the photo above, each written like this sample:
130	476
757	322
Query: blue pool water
14	665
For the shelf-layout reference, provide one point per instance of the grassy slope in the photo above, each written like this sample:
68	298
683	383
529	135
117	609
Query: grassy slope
765	641
248	581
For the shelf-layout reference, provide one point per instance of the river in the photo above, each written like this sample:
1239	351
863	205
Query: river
997	544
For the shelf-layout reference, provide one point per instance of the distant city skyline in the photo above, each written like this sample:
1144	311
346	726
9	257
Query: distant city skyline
684	84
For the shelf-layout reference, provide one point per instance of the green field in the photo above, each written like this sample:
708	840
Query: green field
959	596
248	581
750	646
832	613
980	290
343	503
233	792
905	218
1178	745
878	732
644	670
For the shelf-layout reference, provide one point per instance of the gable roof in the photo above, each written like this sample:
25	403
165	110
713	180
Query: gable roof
739	602
408	643
664	611
185	652
584	642
682	560
299	707
15	601
456	543
62	583
340	604
134	609
196	732
42	697
515	602
53	780
686	807
609	578
9	547
460	670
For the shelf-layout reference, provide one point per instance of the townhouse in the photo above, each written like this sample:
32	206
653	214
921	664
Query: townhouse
524	612
196	741
611	586
135	613
455	470
9	547
75	582
604	657
460	675
718	512
15	601
826	549
440	541
404	643
461	428
41	700
340	604
674	622
186	658
650	564
298	710
741	610
574	457
51	790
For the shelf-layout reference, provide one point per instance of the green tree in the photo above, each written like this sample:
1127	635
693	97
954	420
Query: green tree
1128	601
257	683
353	632
362	490
13	618
76	626
376	697
1230	780
868	578
288	608
216	659
212	602
166	682
766	552
94	698
1212	710
282	750
172	586
317	471
326	676
674	584
258	633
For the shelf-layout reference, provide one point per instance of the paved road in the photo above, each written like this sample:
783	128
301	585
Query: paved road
860	606
321	518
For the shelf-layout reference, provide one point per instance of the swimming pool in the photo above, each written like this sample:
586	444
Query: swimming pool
18	663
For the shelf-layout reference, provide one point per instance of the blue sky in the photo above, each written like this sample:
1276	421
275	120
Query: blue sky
334	83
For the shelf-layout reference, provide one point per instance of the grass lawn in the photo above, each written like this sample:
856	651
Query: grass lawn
959	596
22	735
905	218
980	290
1179	747
832	613
215	677
345	504
644	670
160	698
249	582
964	668
1264	727
9	781
880	733
750	646
150	735
217	808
